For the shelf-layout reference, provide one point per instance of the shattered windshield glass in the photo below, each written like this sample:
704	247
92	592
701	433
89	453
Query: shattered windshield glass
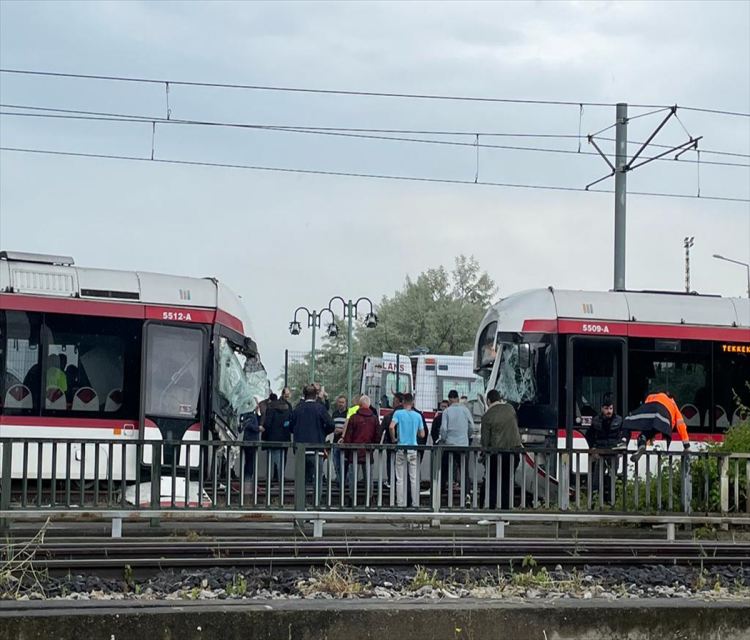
242	383
521	385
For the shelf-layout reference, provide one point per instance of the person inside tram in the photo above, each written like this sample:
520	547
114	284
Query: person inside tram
658	414
55	375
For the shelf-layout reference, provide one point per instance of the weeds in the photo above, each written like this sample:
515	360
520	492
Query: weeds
238	586
425	578
337	579
17	571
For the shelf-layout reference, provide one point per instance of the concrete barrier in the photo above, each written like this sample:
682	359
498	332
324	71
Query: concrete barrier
376	620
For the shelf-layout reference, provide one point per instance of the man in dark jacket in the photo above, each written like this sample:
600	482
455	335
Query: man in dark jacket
437	422
251	431
310	423
500	431
276	425
362	428
605	432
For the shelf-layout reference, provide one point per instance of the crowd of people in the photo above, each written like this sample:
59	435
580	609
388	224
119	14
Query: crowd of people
313	422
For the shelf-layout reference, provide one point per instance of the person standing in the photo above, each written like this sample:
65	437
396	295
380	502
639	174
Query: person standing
310	423
605	432
437	421
409	424
361	429
251	432
385	427
286	396
276	433
499	431
338	416
455	431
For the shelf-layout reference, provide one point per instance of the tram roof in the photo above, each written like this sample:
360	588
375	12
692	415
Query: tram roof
651	307
57	277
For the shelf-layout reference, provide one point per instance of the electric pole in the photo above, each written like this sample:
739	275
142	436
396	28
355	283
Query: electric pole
621	186
620	170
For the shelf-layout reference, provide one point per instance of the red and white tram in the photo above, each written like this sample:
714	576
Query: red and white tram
97	354
554	353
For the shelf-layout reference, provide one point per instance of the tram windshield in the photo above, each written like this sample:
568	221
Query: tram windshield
242	379
524	372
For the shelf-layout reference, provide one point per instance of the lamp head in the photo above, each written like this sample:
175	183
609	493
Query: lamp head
333	330
371	320
295	328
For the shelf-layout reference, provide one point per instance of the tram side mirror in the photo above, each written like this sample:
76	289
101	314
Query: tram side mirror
524	355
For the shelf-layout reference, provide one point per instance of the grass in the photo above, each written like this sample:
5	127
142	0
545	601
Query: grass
337	579
424	578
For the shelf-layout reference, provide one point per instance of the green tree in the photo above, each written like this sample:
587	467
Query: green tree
439	310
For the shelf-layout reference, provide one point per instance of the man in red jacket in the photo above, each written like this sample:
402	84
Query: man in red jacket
362	428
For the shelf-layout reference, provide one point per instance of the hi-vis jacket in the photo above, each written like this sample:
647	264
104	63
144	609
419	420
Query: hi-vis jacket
674	413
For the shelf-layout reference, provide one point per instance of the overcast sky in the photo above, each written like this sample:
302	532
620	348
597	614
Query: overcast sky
284	240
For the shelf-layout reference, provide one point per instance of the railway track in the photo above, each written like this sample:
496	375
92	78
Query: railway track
107	555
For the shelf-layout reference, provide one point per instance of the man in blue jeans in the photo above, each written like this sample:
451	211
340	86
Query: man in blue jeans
410	428
310	423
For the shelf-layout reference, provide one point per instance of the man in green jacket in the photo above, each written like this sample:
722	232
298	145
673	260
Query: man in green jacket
500	431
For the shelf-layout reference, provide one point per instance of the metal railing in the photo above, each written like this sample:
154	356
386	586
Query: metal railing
101	476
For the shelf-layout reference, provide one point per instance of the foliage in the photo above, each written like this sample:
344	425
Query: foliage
438	310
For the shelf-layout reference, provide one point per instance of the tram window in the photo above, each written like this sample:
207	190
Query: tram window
91	366
174	362
486	344
597	370
685	374
731	380
21	380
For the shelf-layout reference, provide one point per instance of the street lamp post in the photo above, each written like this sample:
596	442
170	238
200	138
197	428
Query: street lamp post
744	264
350	312
313	321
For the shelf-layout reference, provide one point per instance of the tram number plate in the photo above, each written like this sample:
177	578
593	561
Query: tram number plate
595	328
180	316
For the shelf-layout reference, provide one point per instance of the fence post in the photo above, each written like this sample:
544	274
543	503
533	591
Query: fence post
5	485
299	477
435	461
286	367
686	484
724	483
156	450
563	484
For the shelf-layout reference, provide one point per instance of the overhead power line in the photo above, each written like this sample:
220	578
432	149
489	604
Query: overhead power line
331	131
343	92
321	172
123	117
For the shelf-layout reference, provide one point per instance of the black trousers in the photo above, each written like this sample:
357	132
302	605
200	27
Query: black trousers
507	486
